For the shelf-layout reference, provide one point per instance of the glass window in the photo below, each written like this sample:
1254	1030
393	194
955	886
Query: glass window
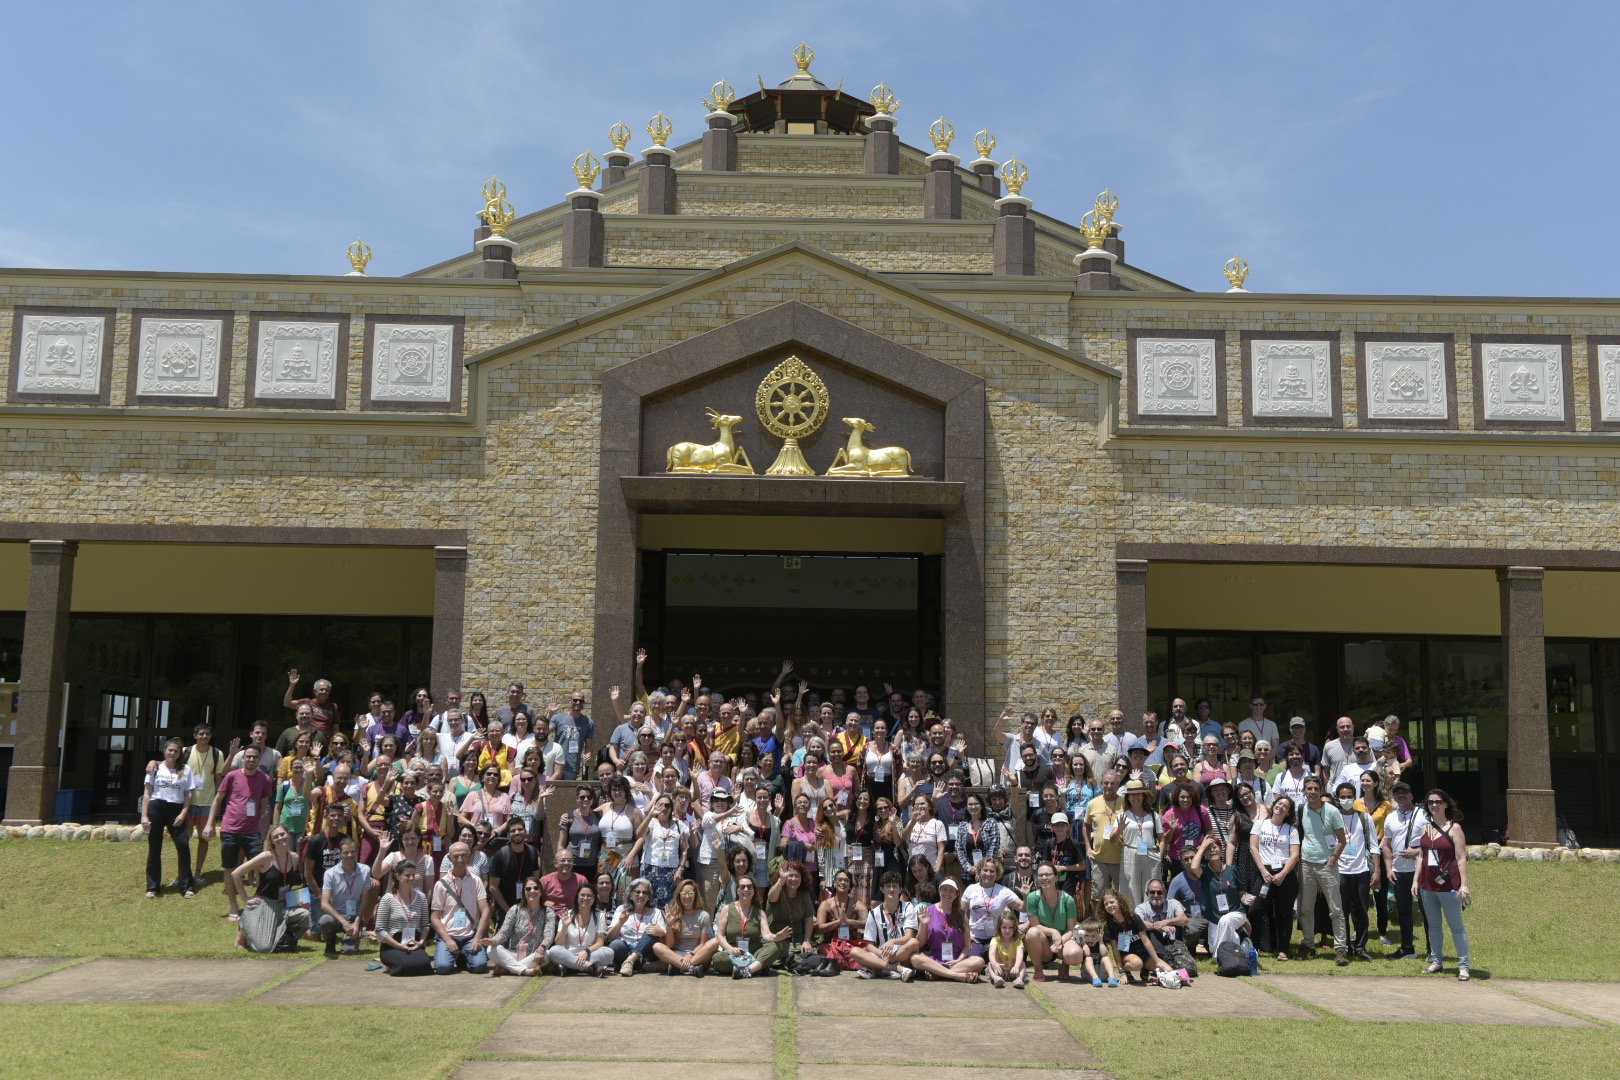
1382	677
1468	696
1158	673
362	655
419	661
11	635
190	683
1288	680
270	647
1218	667
1571	720
1609	678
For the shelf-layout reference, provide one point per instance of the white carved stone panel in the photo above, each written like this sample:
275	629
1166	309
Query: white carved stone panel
1290	379
179	358
61	354
1406	380
1175	377
1608	387
1523	382
296	361
412	362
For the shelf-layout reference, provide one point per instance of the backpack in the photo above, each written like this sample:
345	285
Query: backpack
1231	960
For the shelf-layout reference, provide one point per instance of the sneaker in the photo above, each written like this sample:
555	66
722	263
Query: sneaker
1341	957
1308	953
671	969
1363	954
1018	983
629	966
997	981
868	973
907	974
736	971
747	971
901	974
1400	954
331	948
699	972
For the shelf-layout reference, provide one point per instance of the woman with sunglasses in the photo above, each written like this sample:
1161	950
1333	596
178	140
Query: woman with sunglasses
689	942
526	800
635	928
661	849
525	936
1442	880
746	945
579	832
488	802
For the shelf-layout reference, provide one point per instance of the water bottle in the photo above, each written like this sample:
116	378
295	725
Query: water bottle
1254	961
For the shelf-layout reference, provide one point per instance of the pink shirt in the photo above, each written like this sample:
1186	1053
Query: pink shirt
246	800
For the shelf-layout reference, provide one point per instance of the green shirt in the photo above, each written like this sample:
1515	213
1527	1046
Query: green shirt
1319	829
1057	918
791	912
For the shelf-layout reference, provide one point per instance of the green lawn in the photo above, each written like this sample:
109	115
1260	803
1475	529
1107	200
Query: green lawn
79	898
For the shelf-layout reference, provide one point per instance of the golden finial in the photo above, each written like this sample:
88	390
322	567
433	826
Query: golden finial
494	189
1107	203
984	143
802	56
619	136
885	101
721	95
659	128
1098	224
942	132
1237	272
359	256
586	169
497	213
1015	174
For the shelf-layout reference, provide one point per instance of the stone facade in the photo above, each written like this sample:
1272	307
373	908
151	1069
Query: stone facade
1069	476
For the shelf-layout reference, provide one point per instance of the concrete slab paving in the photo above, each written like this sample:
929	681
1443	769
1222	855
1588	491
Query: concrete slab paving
942	1072
347	982
663	1036
1441	999
135	982
1601	1000
15	967
681	995
1207	997
944	1041
573	1070
850	996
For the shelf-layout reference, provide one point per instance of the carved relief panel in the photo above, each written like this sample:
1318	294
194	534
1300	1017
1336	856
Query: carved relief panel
299	361
1176	376
413	364
1291	379
1406	382
181	358
1605	382
61	355
1522	382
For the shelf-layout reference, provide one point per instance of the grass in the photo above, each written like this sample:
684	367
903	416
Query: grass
207	1042
78	898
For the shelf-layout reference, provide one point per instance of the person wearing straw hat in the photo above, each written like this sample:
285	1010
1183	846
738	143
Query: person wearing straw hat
1141	840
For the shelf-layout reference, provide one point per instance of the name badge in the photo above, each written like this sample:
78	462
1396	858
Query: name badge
573	746
759	851
877	857
843	798
252	807
843	933
743	943
297	897
947	953
1035	799
857	852
351	908
438	843
520	890
1141	847
1198	910
1221	903
1434	857
458	921
582	850
1125	941
408	936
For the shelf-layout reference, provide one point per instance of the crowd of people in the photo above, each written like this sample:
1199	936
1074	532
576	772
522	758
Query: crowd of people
815	834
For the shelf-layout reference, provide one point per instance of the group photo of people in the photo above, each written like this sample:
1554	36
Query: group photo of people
812	831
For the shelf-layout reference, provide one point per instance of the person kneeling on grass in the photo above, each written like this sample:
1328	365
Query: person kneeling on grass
402	923
275	918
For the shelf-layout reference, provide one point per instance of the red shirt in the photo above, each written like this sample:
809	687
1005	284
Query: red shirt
327	714
558	894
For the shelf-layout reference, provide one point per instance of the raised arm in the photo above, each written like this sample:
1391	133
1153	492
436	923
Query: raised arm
292	685
641	664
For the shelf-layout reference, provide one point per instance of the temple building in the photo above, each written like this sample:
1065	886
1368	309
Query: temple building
783	383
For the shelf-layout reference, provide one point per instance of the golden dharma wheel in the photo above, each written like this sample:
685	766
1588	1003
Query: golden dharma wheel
792	400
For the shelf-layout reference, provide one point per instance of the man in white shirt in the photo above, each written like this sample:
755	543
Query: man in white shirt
1118	739
1098	754
551	752
1350	772
454	738
452	702
1029	732
1262	729
1336	753
1403	827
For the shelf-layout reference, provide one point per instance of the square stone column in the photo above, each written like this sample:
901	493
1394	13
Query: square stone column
584	230
449	616
31	791
942	188
1130	622
882	147
657	192
1532	818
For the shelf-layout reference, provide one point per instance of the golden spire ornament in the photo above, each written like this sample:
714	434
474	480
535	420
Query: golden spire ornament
359	257
1098	224
803	56
1237	272
984	143
1015	174
660	128
941	132
586	169
721	95
884	100
619	136
497	213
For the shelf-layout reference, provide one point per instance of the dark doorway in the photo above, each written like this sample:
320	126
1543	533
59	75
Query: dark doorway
843	619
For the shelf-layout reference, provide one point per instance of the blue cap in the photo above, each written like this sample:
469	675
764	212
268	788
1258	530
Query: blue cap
1137	743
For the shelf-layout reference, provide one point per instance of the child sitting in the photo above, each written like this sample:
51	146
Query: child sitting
1097	955
1007	951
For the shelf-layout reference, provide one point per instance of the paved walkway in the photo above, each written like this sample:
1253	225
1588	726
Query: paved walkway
841	1030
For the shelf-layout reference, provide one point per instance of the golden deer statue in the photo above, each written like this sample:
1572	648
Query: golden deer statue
724	456
857	459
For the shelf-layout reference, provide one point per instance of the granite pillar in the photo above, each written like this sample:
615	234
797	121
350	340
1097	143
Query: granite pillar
584	231
497	261
1014	237
942	188
1130	629
882	146
1114	245
31	789
1096	271
985	171
657	192
614	162
449	615
1532	818
720	143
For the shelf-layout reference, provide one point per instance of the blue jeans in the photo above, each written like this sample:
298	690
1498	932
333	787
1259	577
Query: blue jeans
622	949
1449	904
444	961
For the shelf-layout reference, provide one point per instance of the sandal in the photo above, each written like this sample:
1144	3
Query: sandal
1462	975
151	896
1283	957
1433	969
187	895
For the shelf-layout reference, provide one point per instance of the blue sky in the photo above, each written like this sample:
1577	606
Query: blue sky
1365	148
